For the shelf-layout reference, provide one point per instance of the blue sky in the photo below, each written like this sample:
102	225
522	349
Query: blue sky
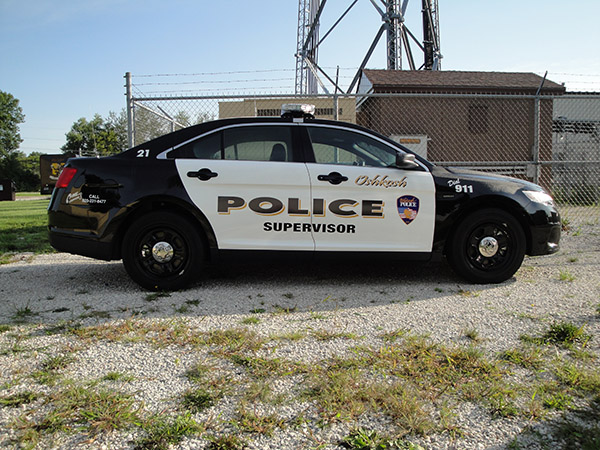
66	59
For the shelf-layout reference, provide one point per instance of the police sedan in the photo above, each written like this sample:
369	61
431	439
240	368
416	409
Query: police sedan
297	187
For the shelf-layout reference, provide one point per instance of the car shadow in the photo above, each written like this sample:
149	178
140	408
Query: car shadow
86	291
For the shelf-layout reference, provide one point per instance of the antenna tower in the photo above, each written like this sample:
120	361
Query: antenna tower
398	37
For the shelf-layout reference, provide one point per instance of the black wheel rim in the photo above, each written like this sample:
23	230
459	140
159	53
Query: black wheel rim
496	253
171	263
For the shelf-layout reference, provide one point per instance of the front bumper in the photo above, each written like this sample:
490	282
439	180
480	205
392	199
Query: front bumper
545	232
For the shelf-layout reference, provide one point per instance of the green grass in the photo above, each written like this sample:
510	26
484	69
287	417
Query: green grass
163	431
362	439
18	399
78	408
408	381
23	228
31	194
564	334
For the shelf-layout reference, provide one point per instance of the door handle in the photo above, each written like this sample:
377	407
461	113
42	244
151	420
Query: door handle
333	178
204	174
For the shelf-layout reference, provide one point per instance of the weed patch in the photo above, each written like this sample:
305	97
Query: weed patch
16	400
564	334
163	431
78	408
362	439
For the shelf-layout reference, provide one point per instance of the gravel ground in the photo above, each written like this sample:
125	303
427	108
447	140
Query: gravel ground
306	315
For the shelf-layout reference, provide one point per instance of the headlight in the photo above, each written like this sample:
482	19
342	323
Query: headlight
539	197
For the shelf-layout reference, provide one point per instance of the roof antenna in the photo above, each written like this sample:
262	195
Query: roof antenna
541	84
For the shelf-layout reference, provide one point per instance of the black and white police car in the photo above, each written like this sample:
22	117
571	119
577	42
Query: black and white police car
292	186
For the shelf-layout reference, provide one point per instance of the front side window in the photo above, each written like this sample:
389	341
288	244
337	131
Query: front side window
336	146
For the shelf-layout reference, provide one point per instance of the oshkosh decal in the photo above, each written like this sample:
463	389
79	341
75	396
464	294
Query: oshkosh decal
379	181
408	208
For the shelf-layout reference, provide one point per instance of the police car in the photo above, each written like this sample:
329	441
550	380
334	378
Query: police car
297	187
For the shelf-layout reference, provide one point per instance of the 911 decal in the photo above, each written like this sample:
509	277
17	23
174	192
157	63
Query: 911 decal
460	188
464	188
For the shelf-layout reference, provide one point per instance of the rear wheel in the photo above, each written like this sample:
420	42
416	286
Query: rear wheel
162	250
488	246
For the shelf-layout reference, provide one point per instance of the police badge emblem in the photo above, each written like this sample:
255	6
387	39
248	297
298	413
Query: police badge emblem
408	208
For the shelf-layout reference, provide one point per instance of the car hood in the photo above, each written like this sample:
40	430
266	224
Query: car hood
476	175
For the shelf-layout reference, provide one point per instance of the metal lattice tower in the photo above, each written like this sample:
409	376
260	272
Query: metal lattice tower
306	49
398	38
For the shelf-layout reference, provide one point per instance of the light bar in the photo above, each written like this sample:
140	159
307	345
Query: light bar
298	109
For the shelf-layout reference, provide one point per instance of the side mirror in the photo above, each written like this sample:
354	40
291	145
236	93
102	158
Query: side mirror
406	161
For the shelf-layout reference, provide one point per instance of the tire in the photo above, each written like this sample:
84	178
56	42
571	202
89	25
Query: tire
163	251
488	246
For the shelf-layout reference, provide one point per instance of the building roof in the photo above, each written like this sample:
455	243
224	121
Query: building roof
455	81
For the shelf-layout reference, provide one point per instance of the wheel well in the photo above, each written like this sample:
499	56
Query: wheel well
507	205
174	206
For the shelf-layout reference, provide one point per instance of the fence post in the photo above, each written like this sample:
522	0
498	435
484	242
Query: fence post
536	140
335	95
130	124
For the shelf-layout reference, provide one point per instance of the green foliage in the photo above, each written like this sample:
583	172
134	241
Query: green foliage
362	439
11	115
149	125
527	357
79	408
250	321
559	401
22	170
226	442
14	165
97	137
197	400
565	275
23	228
162	431
18	399
564	334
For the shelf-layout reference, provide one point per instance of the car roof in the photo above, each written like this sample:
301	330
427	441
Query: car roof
161	143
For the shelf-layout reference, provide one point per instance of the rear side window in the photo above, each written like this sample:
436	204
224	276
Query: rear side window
258	143
254	143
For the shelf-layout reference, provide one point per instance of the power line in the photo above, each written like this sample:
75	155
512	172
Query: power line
235	72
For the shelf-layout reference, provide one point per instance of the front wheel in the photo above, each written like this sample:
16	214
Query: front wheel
162	251
488	246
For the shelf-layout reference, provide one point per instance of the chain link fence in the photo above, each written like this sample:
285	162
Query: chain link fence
552	141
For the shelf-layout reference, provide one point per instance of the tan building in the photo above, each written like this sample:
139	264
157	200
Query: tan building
470	122
265	107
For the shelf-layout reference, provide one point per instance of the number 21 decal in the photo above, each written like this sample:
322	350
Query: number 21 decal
143	153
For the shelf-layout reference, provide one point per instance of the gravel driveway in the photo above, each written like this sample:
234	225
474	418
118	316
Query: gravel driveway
286	357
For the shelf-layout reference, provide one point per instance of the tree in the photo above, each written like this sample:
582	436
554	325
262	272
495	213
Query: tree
149	126
23	170
14	164
97	137
11	115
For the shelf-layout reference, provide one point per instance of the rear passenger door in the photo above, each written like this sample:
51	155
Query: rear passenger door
246	181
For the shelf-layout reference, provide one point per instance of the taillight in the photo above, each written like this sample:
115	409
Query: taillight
65	177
